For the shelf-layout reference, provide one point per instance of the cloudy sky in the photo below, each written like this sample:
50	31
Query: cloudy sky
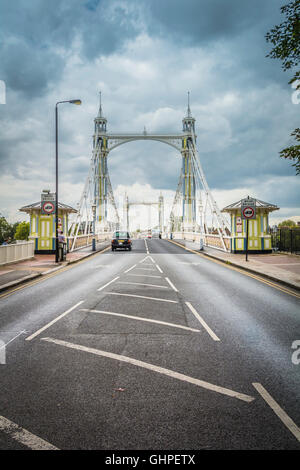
144	55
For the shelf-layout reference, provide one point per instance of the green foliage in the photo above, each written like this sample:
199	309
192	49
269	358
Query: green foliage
5	230
286	40
287	223
22	231
293	152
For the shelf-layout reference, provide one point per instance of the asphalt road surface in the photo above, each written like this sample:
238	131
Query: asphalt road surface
157	348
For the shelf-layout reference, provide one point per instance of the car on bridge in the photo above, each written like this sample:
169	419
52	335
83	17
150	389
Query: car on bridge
121	240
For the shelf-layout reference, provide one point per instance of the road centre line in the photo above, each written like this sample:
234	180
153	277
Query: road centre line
160	270
23	436
143	297
203	323
147	249
107	284
132	267
287	421
154	368
133	317
171	284
34	335
143	284
144	275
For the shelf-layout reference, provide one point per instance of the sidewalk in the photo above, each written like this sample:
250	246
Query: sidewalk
280	267
23	271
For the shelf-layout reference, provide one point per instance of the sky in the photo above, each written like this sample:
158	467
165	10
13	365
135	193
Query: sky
144	56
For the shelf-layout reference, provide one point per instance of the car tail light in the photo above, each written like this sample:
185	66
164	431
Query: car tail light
129	241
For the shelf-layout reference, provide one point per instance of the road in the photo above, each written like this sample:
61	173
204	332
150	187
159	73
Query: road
157	348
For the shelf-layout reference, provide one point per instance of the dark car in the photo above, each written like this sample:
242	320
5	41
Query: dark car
121	240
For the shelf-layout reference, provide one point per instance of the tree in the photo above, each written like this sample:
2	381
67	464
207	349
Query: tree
5	230
22	231
287	223
286	40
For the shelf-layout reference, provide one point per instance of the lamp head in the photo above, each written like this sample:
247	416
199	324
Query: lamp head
75	101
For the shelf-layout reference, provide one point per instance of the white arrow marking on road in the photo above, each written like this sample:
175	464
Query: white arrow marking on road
133	317
23	436
152	367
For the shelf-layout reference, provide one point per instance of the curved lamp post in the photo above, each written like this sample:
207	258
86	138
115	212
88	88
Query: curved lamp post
56	172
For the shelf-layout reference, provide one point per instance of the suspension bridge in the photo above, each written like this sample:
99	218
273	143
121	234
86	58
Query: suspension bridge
194	213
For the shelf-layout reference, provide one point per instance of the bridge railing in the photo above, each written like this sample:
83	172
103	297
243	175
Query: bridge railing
86	240
16	252
211	240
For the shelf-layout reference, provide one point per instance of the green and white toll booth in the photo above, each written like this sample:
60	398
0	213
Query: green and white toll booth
42	225
259	238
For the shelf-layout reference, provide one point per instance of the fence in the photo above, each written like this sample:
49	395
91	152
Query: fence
208	240
85	240
16	252
286	239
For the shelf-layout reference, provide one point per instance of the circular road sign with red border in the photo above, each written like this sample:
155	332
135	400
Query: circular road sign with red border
248	212
48	207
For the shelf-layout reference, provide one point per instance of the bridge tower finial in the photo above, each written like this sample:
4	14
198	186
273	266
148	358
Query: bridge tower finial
100	120
189	114
188	121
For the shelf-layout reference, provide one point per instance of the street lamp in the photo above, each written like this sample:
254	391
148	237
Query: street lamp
56	172
94	227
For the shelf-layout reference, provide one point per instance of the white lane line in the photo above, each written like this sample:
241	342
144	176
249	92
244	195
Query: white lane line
133	317
15	337
142	260
127	270
110	282
147	249
144	275
160	270
152	367
287	421
203	323
143	297
147	269
142	284
23	436
53	321
152	259
171	284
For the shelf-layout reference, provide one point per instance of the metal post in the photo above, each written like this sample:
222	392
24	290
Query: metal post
94	228
247	232
56	183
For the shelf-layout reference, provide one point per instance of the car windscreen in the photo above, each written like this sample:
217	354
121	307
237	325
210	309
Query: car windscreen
121	235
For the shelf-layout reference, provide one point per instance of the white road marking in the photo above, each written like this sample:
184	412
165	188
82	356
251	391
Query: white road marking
144	275
133	317
142	284
127	270
154	368
147	249
23	436
147	269
160	270
287	421
15	337
53	321
143	297
110	282
142	260
151	259
171	284
203	323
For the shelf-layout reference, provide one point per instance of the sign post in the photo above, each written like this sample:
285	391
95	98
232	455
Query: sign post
248	211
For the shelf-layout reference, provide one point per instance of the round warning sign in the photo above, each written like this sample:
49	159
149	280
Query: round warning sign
248	212
48	207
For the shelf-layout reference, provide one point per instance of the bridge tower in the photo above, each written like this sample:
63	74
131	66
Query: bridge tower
188	175
101	183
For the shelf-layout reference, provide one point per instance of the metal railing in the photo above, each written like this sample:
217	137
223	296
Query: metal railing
286	239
